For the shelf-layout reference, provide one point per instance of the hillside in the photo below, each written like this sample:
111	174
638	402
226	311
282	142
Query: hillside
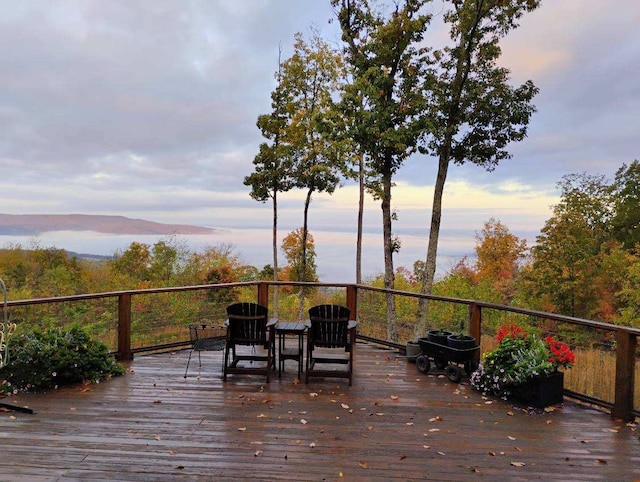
35	224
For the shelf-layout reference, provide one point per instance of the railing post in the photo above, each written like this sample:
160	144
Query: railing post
625	375
124	327
475	324
352	301
263	294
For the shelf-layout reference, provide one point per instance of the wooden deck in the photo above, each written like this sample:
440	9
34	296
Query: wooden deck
392	424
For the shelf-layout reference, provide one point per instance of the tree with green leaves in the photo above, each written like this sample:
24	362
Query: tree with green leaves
310	78
625	223
133	263
273	164
383	100
569	249
471	113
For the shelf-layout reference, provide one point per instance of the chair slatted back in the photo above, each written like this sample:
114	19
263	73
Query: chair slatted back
329	326
247	324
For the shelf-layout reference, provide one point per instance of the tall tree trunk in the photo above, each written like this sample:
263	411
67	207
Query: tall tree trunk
274	310
303	275
360	217
389	276
432	251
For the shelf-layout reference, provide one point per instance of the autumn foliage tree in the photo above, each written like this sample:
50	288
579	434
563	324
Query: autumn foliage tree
300	269
499	255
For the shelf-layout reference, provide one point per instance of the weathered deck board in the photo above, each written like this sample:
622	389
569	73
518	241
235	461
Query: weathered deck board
152	424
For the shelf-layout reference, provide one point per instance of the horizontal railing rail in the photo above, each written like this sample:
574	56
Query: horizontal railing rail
625	338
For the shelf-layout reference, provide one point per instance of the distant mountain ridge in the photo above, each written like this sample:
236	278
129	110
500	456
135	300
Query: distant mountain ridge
35	224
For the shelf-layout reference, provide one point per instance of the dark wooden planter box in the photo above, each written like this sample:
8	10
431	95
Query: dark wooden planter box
541	392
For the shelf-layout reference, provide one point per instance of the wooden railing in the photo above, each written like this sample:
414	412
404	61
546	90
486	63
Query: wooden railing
625	345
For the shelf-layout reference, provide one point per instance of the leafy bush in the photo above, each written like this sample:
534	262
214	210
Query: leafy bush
53	358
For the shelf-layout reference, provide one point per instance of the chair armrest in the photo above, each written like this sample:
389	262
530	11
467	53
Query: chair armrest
272	322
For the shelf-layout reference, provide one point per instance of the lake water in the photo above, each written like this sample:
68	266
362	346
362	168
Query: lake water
336	251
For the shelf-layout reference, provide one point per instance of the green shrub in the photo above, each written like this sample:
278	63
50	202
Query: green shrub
57	357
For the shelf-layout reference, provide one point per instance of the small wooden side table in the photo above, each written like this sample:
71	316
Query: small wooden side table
284	328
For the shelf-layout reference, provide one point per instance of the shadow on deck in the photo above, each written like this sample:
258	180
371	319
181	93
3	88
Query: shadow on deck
392	424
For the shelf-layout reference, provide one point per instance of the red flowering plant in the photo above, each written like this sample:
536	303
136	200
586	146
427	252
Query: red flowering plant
561	355
518	358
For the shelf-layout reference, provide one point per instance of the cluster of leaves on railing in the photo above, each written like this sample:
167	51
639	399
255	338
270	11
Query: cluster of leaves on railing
42	360
518	358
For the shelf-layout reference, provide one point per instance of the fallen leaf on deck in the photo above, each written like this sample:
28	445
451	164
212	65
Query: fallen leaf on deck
549	409
510	413
585	441
402	457
157	437
394	397
441	453
493	454
434	430
262	415
172	452
435	419
426	447
303	421
313	394
258	452
312	445
242	429
157	401
345	406
363	465
601	461
511	438
518	464
409	423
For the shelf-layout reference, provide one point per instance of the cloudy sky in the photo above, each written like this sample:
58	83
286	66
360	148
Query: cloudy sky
147	109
